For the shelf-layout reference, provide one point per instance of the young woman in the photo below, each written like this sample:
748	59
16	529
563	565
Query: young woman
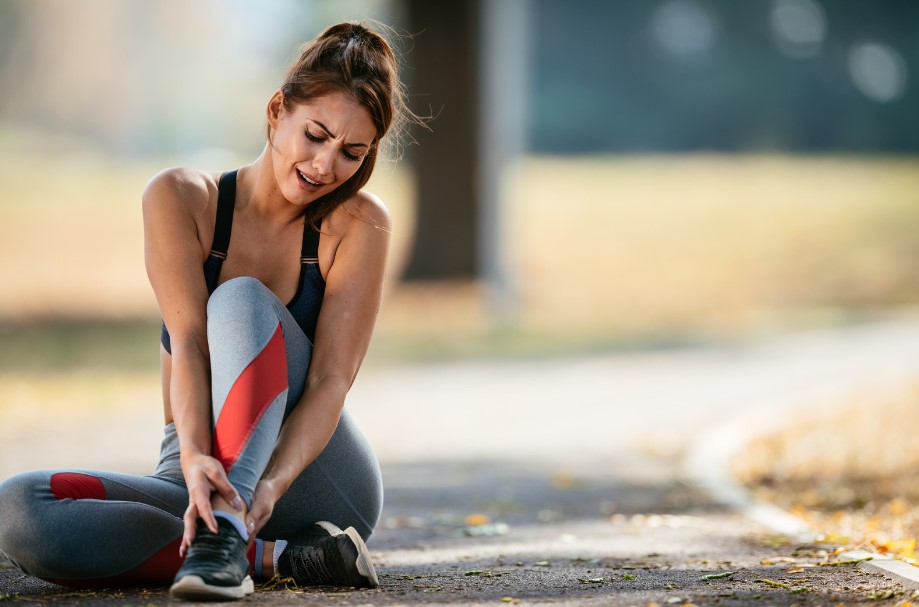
260	468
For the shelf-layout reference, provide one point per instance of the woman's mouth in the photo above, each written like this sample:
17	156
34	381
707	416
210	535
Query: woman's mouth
311	183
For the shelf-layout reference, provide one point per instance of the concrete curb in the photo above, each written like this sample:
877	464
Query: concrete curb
888	566
707	464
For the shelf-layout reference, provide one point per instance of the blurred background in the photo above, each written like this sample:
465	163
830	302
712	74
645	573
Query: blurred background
598	176
666	171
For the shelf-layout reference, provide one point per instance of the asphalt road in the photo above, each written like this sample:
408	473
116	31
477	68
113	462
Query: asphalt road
562	538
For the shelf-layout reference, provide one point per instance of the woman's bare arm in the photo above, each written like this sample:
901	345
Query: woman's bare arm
174	205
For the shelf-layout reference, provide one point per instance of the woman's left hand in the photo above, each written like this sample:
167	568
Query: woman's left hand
267	493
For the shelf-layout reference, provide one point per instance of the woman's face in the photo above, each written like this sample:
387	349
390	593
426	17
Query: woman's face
318	145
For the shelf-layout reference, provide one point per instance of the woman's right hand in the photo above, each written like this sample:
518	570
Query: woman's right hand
204	475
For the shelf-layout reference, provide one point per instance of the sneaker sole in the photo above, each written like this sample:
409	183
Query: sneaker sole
193	588
364	564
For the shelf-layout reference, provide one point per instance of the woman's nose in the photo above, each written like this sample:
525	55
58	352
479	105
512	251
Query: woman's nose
322	163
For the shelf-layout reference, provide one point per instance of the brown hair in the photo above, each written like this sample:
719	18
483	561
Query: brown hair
355	60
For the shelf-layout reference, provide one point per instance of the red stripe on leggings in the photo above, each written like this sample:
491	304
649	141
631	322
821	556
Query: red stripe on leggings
256	387
250	556
160	568
77	486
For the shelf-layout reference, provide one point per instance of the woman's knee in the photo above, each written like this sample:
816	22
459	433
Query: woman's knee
21	528
18	496
238	295
242	303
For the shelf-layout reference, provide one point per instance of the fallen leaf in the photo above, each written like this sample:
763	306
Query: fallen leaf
477	518
778	559
773	583
481	573
718	576
849	562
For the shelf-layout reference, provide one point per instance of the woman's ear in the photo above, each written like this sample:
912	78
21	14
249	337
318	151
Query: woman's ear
274	109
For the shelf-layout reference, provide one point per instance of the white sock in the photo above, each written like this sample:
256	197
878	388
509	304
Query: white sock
279	547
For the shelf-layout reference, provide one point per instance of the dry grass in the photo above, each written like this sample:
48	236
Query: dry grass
851	471
662	249
623	247
712	243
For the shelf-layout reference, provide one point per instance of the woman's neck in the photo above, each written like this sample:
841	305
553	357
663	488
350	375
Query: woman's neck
258	192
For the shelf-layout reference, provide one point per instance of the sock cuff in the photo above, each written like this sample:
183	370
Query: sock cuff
279	547
237	524
259	555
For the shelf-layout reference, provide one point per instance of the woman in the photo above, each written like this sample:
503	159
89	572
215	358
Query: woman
260	468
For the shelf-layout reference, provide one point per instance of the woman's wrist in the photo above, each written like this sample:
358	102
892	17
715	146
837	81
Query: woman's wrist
278	478
188	456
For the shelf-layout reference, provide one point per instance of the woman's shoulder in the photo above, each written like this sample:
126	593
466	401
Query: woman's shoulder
181	187
363	210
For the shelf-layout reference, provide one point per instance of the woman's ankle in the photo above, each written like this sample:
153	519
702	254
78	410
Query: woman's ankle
268	559
222	505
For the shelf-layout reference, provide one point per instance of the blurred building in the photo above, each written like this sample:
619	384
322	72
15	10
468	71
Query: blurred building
675	75
163	77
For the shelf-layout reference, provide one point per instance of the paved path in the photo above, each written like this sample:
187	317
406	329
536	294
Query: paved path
580	465
587	408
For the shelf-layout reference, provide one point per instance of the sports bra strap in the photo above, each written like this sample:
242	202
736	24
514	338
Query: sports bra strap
309	252
226	200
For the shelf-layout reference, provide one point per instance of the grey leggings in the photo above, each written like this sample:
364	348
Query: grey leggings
89	528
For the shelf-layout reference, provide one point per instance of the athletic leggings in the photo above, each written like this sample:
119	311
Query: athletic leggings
88	528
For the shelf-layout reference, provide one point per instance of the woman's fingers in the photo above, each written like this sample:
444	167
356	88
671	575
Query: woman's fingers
217	481
223	487
199	496
190	519
263	501
258	516
205	477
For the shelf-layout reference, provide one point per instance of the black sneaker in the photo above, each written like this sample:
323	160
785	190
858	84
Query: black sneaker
216	567
315	534
339	559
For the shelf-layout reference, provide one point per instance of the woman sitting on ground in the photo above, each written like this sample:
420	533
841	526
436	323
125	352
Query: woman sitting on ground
260	468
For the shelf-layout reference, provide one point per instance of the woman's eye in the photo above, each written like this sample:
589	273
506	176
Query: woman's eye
351	156
313	138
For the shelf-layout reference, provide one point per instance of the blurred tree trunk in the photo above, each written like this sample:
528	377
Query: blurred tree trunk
444	81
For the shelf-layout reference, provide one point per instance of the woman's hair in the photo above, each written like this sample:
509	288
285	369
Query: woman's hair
349	58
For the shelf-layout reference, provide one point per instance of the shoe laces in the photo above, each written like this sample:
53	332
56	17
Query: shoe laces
316	564
212	546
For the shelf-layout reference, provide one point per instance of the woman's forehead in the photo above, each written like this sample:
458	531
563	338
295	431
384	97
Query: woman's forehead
339	115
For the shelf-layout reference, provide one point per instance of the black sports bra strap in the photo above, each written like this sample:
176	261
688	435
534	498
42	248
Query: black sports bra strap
226	200
309	252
